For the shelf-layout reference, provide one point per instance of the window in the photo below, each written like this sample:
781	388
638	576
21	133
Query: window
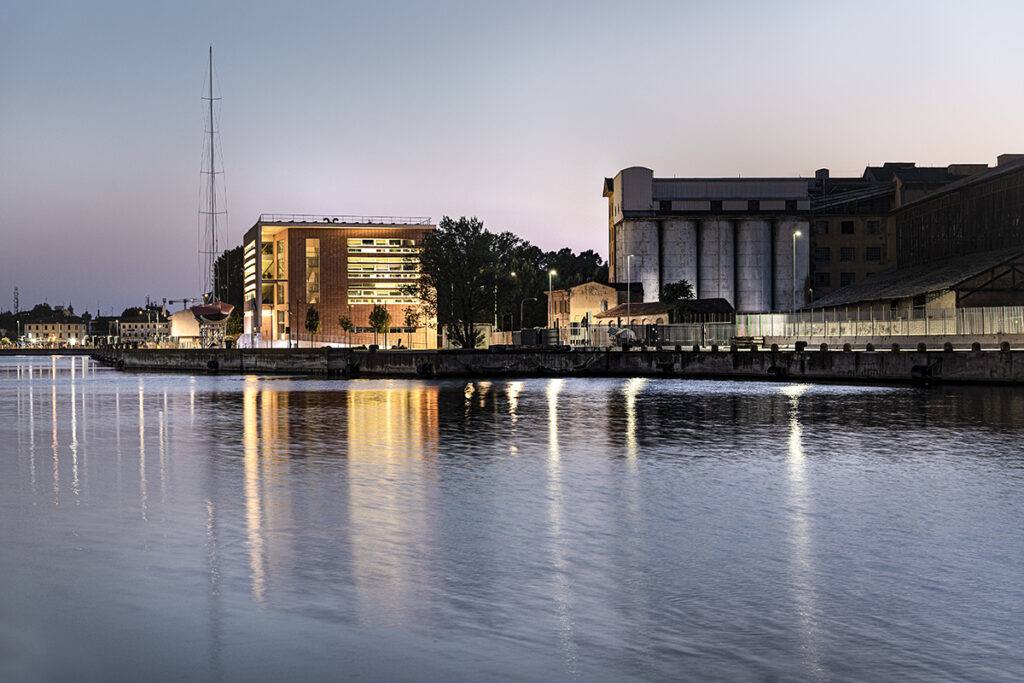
822	255
847	253
312	271
846	279
874	227
280	292
846	227
282	270
873	254
268	294
267	260
820	227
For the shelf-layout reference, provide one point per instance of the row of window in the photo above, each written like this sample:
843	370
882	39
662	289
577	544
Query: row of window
824	254
849	227
824	279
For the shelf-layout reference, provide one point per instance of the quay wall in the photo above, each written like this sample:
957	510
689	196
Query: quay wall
877	367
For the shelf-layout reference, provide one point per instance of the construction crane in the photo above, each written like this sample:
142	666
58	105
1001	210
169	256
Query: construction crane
184	302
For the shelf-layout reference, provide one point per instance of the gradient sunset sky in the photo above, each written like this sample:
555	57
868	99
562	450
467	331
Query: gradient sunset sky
512	112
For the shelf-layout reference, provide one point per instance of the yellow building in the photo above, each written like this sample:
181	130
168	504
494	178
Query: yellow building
574	304
57	330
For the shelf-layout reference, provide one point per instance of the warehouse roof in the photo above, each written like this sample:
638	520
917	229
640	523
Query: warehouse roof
902	283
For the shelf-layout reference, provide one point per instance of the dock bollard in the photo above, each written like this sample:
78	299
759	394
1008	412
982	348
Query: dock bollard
948	347
775	348
696	348
976	346
800	346
847	348
895	347
922	347
869	347
823	347
1004	347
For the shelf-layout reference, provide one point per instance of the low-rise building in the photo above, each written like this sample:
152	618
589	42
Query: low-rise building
60	329
145	325
583	301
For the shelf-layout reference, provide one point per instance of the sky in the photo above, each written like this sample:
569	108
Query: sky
513	112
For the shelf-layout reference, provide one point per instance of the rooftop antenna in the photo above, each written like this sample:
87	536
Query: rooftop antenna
16	303
210	210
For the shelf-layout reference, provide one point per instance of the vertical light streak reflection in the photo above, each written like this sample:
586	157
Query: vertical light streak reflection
556	512
512	391
73	446
800	508
630	391
253	505
162	423
213	561
56	459
142	454
32	435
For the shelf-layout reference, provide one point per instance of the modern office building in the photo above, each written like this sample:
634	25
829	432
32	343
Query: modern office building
342	265
744	240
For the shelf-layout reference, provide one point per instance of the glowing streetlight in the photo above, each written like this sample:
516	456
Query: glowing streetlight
551	274
629	285
796	233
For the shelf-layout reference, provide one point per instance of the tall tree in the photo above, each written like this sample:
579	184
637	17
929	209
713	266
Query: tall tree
227	277
462	271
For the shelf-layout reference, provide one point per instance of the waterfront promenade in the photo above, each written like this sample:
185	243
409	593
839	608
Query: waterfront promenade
874	367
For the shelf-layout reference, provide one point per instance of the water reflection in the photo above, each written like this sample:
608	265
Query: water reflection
253	503
800	508
644	527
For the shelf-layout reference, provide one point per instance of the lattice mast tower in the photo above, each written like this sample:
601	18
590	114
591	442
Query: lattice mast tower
213	200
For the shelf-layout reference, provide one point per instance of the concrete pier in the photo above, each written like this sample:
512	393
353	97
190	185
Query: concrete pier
874	367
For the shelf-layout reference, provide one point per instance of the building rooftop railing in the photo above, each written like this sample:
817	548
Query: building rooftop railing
341	219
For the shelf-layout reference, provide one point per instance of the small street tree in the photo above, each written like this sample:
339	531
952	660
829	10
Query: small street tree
345	323
380	321
413	317
675	292
313	321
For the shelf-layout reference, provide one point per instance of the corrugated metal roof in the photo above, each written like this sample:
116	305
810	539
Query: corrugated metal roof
902	283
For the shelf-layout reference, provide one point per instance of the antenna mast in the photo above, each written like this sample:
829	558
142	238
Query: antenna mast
209	239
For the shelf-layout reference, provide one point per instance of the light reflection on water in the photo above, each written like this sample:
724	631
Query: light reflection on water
235	527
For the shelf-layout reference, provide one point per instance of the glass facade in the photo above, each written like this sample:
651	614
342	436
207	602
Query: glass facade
312	271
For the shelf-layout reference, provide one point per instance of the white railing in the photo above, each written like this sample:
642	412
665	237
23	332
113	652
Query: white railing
868	323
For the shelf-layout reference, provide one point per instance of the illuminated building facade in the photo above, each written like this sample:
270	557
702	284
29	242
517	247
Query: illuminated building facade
342	265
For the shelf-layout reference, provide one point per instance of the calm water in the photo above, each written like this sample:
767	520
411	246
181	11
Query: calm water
174	527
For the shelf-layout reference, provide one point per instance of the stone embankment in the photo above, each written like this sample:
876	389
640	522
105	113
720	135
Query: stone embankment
876	367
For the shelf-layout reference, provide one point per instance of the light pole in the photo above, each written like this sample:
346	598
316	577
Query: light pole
629	285
796	233
532	298
551	274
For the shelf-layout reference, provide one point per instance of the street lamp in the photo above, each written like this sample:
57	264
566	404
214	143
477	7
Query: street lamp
532	298
796	233
551	274
629	285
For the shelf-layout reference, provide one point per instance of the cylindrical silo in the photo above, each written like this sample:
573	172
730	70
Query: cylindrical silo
790	283
639	239
753	266
717	261
679	252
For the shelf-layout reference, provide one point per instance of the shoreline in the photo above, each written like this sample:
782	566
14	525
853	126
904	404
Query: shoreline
849	367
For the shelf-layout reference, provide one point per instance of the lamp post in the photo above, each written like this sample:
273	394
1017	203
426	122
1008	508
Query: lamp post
629	285
551	274
796	233
532	298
